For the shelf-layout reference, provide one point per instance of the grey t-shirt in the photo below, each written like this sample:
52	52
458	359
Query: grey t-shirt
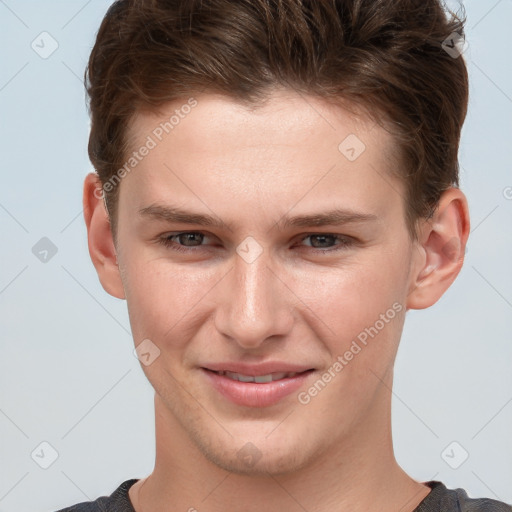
440	499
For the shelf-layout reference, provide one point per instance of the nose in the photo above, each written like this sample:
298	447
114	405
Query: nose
255	305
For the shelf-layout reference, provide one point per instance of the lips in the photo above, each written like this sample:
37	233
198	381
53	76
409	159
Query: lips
256	385
253	370
260	379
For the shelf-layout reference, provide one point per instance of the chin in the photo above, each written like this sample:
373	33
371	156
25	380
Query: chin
267	465
257	457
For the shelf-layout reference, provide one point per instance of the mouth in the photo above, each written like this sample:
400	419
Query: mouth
261	390
260	379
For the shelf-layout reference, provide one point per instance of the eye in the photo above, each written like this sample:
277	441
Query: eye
191	241
323	242
184	242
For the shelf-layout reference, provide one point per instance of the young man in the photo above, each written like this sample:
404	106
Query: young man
277	184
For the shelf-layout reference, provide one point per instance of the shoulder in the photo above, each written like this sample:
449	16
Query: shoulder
480	504
118	501
442	499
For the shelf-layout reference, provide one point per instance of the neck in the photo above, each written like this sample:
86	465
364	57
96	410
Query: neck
359	474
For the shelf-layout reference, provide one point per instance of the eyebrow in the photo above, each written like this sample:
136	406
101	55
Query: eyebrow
332	217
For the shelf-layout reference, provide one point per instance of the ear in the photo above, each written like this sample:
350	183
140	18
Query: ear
99	236
441	249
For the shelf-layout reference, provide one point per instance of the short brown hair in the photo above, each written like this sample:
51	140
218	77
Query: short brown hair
384	55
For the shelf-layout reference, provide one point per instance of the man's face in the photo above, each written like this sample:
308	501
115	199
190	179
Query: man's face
259	289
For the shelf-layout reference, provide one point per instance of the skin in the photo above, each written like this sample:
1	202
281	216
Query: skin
294	303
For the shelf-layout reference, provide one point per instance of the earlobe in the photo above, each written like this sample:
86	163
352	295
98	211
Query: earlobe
442	241
101	244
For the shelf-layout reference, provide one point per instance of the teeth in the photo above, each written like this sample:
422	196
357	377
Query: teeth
240	377
261	379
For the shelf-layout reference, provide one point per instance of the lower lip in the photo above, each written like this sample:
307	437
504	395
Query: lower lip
252	394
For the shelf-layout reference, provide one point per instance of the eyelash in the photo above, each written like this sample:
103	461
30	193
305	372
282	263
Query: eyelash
167	241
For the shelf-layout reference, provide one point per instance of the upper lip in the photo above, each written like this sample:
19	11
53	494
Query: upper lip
254	370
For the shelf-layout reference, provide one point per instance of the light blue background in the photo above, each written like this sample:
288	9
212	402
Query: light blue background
67	372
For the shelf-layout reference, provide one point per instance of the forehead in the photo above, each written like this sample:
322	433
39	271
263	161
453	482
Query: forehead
270	151
284	116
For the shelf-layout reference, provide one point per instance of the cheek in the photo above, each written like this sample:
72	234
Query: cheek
364	310
164	298
169	302
354	295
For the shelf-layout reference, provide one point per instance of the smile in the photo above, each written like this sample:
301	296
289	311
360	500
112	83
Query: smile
260	379
256	390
